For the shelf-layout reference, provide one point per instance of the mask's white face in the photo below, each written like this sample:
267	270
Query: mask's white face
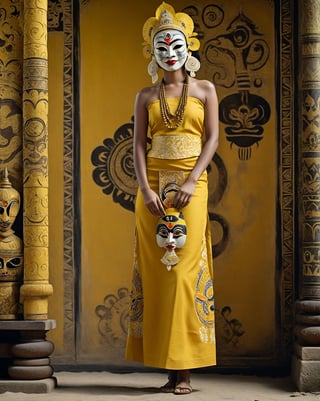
171	232
170	49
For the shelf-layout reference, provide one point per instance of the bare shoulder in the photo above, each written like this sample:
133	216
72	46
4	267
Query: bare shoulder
204	85
202	89
147	95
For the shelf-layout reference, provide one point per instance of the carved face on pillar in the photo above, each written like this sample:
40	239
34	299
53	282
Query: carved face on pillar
8	213
9	206
11	248
11	264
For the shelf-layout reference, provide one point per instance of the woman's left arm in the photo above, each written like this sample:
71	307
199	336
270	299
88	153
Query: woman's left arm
211	127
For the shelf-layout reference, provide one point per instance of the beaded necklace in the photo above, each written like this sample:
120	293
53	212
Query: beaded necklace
173	120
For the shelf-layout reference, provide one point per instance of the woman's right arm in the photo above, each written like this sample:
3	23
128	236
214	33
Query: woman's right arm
151	198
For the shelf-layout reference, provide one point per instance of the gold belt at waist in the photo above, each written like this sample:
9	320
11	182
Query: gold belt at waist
175	147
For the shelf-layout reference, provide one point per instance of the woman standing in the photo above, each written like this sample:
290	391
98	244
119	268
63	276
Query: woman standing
172	307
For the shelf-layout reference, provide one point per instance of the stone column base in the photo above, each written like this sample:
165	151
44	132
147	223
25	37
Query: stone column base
28	386
306	368
25	356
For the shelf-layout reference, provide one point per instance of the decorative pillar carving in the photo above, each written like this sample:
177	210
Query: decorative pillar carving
24	350
36	288
306	361
11	248
11	62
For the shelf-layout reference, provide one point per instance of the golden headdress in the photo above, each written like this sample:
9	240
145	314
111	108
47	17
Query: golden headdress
167	18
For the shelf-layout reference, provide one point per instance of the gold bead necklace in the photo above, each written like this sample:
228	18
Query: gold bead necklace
173	120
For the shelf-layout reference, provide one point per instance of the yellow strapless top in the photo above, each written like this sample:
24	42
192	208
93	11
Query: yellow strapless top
178	143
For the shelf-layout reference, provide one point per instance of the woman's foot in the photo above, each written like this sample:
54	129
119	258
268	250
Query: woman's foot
170	386
183	383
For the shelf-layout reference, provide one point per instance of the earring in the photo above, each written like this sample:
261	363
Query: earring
153	70
192	65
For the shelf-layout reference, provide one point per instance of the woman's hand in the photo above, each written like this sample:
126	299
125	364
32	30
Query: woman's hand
184	195
153	202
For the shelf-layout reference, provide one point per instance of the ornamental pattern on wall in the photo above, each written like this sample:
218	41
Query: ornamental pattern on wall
233	56
113	317
114	173
114	169
285	45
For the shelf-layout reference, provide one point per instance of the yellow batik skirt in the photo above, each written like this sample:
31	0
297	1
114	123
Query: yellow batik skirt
171	317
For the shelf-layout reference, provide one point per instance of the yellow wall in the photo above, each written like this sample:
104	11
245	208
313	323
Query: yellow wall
112	71
108	85
246	271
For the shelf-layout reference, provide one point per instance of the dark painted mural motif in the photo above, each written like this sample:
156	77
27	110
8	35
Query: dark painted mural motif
230	328
233	56
114	173
114	169
113	318
220	178
55	15
113	321
10	116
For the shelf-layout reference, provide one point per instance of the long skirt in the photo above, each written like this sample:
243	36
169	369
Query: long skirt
171	317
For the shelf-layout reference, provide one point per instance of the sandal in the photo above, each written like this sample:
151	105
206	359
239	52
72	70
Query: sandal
183	383
179	390
170	386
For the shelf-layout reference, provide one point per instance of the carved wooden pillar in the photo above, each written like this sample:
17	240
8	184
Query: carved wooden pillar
24	350
306	361
11	55
36	288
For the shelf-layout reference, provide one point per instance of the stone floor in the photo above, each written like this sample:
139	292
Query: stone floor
103	386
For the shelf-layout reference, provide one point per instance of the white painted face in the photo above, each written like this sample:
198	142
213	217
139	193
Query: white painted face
171	232
170	49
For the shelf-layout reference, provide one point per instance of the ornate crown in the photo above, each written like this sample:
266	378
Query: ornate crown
166	18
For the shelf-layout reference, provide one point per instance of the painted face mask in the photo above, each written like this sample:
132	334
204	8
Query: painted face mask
170	49
11	247
171	233
9	206
11	264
